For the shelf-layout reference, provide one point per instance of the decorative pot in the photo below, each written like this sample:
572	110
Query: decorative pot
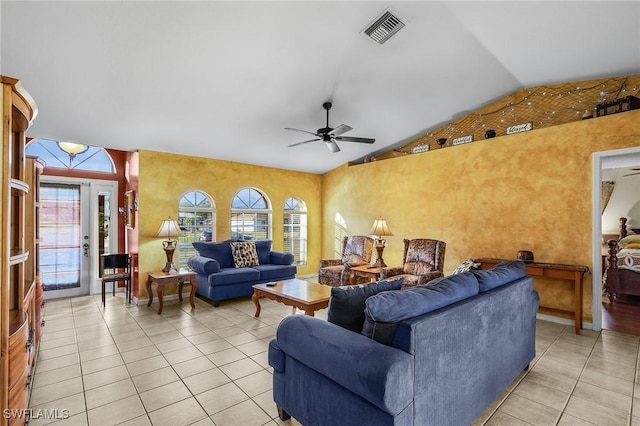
526	256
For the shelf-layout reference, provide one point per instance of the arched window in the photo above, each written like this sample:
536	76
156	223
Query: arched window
76	156
295	230
250	215
196	218
339	232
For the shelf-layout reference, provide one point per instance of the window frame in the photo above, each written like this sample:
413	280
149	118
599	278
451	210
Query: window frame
300	256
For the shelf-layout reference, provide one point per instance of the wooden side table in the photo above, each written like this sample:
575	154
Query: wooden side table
162	278
574	273
367	271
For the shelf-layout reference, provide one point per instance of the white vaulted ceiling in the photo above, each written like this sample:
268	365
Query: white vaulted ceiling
223	79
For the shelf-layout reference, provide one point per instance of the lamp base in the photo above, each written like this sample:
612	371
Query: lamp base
169	247
379	262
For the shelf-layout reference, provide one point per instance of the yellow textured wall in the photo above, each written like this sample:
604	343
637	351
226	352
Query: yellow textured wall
164	178
489	198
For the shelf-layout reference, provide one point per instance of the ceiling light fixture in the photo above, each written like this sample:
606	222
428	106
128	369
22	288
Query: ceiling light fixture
72	149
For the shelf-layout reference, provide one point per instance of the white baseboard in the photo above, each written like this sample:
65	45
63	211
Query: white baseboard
565	321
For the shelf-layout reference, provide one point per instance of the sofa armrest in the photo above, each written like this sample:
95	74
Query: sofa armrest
381	374
390	272
203	265
280	258
330	262
428	276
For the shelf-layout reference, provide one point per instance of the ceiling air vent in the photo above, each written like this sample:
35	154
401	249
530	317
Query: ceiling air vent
383	27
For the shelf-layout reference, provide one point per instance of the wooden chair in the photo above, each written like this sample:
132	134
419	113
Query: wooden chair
115	268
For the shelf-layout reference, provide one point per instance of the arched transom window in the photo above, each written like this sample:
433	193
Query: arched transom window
66	155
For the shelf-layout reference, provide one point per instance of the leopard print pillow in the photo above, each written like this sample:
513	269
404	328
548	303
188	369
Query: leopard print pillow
245	254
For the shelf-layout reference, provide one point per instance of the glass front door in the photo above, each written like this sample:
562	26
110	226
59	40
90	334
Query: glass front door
74	231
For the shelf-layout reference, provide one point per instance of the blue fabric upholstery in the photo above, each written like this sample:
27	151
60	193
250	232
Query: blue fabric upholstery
263	247
203	265
228	276
220	251
384	311
500	274
444	367
279	258
219	279
272	272
346	306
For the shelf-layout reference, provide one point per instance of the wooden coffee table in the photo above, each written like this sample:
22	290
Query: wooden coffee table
300	294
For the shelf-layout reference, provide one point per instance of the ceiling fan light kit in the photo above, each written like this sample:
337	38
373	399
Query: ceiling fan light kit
330	135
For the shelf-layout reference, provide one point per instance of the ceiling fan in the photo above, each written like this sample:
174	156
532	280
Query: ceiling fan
329	136
631	174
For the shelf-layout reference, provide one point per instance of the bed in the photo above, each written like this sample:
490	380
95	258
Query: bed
623	273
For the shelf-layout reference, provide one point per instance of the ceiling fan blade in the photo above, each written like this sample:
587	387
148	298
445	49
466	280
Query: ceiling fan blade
300	143
631	174
354	139
298	130
332	145
343	128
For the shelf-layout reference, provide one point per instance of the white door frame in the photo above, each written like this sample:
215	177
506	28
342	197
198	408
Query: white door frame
91	188
600	160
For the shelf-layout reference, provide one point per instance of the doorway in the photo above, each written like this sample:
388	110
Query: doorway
75	221
621	317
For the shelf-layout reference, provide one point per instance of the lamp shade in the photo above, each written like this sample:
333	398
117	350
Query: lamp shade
380	228
168	229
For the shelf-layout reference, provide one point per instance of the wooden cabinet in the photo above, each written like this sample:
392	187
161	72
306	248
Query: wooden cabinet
18	261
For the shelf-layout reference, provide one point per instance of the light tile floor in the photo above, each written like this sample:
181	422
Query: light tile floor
126	365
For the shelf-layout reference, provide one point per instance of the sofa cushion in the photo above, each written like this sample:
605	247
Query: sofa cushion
220	251
385	310
501	274
244	254
271	272
233	276
203	265
346	306
263	247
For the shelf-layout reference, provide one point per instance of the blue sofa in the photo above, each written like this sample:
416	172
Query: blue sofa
219	279
437	354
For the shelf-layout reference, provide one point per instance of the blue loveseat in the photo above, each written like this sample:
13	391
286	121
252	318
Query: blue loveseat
437	354
219	279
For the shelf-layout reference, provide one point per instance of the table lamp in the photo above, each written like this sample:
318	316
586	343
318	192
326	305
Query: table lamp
169	228
378	230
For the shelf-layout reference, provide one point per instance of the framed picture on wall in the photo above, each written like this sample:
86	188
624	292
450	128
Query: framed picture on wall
129	209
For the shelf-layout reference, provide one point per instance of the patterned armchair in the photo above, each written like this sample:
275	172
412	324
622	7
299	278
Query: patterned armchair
422	261
356	250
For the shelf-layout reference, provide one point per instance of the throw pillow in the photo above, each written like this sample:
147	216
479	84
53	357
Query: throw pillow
633	238
467	266
632	246
346	306
244	254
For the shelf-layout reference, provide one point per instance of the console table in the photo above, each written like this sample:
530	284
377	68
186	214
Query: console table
574	273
